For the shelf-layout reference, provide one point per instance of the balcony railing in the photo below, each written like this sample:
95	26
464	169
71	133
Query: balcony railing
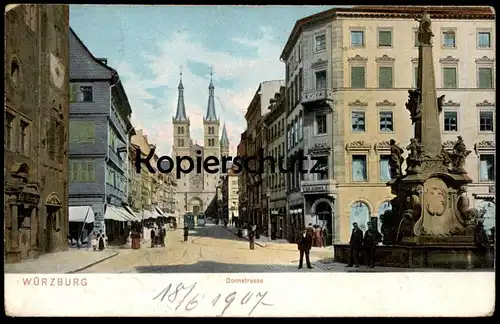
311	96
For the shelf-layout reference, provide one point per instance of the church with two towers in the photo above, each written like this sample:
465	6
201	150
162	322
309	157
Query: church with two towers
195	190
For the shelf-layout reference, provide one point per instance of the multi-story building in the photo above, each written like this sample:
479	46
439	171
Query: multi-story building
35	130
134	179
256	182
229	191
149	182
99	136
348	75
242	178
275	148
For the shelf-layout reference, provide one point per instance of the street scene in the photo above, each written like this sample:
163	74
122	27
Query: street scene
158	139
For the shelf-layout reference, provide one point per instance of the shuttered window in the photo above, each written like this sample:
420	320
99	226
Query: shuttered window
358	77
485	78
385	77
385	38
449	77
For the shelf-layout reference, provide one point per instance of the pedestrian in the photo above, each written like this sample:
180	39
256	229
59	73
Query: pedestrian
186	233
101	239
153	237
372	237
304	245
163	236
324	234
136	239
355	245
93	240
251	237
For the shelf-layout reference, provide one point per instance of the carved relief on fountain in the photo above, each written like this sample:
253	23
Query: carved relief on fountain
439	214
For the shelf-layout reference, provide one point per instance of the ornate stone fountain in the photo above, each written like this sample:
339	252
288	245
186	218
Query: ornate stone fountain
430	218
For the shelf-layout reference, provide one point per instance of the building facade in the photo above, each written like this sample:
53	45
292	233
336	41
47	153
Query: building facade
242	181
256	180
196	190
355	67
36	71
275	148
100	131
229	191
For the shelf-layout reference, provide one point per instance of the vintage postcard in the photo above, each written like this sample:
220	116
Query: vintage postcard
220	160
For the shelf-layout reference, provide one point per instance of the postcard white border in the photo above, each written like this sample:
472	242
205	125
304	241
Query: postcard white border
306	295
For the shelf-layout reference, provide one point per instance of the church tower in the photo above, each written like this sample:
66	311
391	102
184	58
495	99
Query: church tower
211	135
224	142
182	138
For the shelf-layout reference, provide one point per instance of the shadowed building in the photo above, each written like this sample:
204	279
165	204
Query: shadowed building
36	130
100	131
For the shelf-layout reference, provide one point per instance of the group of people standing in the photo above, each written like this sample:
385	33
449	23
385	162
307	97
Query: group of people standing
158	235
359	244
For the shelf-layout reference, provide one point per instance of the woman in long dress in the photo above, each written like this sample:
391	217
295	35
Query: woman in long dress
136	240
319	237
101	239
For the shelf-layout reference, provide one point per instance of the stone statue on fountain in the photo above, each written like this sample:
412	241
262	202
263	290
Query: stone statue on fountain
429	205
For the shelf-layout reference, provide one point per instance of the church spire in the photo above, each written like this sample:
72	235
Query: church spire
211	115
224	141
181	108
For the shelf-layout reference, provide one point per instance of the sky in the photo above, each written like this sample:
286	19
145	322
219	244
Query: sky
148	46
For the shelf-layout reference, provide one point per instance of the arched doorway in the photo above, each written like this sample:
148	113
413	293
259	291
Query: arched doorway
360	213
386	205
195	205
52	221
322	215
486	209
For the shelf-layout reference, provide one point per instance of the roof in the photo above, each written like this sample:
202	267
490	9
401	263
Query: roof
98	61
115	77
181	107
378	12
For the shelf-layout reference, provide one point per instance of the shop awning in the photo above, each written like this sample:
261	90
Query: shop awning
147	214
81	214
159	211
117	214
136	217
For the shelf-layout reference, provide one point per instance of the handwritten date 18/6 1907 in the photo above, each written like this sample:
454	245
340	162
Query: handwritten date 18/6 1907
186	297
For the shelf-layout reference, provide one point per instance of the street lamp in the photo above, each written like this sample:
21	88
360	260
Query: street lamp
268	195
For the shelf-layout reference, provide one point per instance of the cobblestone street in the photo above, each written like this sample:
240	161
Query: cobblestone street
210	249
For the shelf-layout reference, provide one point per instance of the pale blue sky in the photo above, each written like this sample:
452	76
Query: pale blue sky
148	44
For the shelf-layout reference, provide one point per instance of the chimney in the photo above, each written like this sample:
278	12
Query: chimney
103	60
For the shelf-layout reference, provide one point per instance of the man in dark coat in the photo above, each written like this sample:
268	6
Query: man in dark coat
372	237
163	234
355	245
186	233
304	245
153	237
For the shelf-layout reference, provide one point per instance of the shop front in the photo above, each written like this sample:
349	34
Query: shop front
296	216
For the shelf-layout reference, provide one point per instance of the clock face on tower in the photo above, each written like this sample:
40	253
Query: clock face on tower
56	71
196	180
185	165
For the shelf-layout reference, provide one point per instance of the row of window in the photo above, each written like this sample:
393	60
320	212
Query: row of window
116	179
81	92
81	132
386	77
17	136
277	129
385	38
359	170
82	170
